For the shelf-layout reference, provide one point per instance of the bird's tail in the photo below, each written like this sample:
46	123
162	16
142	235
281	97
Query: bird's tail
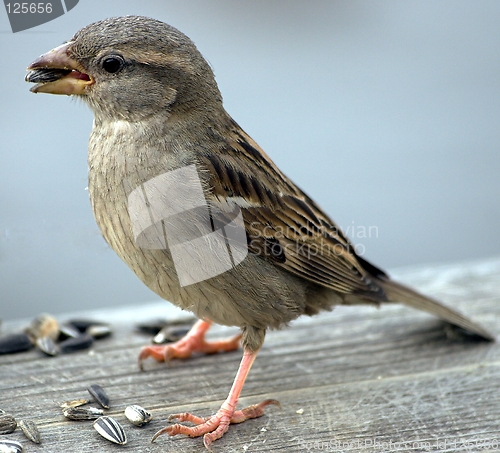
396	292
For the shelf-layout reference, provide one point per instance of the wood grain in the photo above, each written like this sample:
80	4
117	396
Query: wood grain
357	379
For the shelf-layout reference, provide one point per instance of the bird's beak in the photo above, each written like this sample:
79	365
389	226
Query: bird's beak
57	73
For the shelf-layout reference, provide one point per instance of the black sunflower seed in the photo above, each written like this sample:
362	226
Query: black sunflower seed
99	395
16	342
151	327
76	344
83	324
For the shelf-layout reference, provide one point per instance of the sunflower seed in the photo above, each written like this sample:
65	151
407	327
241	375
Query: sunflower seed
98	331
76	344
151	327
73	403
68	331
10	446
30	430
169	334
16	342
82	324
44	325
111	430
7	424
98	393
154	326
138	415
48	346
82	413
44	75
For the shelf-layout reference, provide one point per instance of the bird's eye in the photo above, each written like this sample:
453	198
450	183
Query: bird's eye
112	64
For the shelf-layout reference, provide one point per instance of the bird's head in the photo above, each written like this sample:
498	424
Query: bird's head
128	68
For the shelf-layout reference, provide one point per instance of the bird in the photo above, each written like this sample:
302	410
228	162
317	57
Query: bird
198	211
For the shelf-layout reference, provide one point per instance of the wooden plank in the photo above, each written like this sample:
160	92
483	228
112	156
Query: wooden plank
357	379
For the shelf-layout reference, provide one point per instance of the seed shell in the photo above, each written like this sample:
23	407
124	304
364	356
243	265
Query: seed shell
73	403
68	331
82	413
111	430
48	346
16	342
98	393
169	334
99	331
44	325
137	415
30	430
7	424
152	327
76	344
10	446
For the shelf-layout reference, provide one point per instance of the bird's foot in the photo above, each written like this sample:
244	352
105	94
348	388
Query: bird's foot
214	427
194	341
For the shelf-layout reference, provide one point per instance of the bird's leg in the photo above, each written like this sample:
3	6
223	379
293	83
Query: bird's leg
214	427
194	341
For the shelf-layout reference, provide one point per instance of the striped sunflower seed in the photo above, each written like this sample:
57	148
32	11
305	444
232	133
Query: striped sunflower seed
8	424
137	415
111	430
10	446
30	430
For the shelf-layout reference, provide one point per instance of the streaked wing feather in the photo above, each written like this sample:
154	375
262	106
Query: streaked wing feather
274	209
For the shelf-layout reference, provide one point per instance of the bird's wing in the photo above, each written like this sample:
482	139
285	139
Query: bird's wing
282	223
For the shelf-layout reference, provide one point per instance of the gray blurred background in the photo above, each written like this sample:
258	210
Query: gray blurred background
386	112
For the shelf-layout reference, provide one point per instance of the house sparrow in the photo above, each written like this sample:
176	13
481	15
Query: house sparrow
197	209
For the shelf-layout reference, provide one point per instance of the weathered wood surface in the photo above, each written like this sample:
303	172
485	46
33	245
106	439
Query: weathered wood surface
354	380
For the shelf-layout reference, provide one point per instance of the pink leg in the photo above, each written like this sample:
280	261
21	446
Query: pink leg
194	341
213	428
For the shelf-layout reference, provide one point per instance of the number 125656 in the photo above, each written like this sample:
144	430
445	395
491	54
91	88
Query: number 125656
29	8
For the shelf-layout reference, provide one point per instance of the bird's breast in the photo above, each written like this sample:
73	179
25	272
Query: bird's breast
123	157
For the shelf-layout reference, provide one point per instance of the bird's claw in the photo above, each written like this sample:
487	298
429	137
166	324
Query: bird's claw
194	341
213	428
